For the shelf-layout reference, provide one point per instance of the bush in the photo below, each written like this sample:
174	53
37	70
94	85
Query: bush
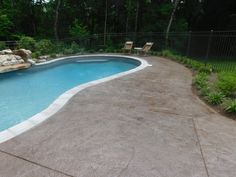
2	45
226	83
36	54
53	55
168	53
200	80
78	30
44	46
206	69
230	106
27	42
75	47
215	98
59	47
204	90
68	51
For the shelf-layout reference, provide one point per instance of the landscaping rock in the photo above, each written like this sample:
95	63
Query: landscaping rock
41	61
6	60
9	68
6	63
44	57
23	53
32	62
6	51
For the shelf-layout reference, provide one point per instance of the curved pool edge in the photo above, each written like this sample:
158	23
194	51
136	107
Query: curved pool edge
60	101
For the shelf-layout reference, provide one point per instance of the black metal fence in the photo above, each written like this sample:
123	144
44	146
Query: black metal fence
215	47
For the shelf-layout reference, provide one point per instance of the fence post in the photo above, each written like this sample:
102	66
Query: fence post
189	42
209	46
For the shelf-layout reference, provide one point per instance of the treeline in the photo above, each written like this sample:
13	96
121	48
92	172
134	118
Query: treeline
58	19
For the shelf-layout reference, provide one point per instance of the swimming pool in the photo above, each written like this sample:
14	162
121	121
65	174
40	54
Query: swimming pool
31	92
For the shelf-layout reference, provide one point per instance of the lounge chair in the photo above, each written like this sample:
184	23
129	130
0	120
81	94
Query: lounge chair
128	47
145	48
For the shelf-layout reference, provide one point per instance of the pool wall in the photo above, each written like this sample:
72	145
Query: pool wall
66	96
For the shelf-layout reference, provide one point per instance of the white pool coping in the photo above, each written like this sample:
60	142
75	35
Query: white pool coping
65	97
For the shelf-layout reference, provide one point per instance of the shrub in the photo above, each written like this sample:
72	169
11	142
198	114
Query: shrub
53	55
36	54
44	46
215	98
204	90
59	47
230	106
206	69
226	83
200	80
27	42
78	30
75	47
2	45
166	53
68	51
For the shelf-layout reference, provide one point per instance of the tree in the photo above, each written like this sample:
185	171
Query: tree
105	21
176	3
5	26
56	20
78	30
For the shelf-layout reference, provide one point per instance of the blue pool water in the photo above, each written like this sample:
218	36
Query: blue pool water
26	93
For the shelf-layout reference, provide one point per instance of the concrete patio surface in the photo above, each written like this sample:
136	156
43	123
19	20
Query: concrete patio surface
146	124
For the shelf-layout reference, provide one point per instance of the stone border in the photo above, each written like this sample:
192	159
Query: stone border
65	97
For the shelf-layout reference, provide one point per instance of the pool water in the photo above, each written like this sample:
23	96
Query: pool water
25	93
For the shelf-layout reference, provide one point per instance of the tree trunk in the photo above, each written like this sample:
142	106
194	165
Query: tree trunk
56	20
32	13
105	23
136	19
170	21
127	18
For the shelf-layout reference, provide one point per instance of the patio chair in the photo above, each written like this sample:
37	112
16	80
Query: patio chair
145	49
127	47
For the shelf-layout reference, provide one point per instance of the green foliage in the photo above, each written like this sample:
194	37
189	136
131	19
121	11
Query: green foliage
204	91
27	42
226	83
215	98
230	106
36	54
205	68
5	25
44	46
75	47
53	55
200	80
68	51
165	9
58	47
2	45
78	30
190	63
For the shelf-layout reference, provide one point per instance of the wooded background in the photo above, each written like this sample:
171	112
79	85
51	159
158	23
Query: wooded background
59	19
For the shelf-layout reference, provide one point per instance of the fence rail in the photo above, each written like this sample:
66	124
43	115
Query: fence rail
215	47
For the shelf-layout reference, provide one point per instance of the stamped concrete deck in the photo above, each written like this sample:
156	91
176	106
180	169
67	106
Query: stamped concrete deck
147	124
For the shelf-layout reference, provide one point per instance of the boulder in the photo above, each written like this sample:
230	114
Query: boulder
7	51
23	53
17	57
6	63
21	61
14	61
44	57
41	61
32	62
6	60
